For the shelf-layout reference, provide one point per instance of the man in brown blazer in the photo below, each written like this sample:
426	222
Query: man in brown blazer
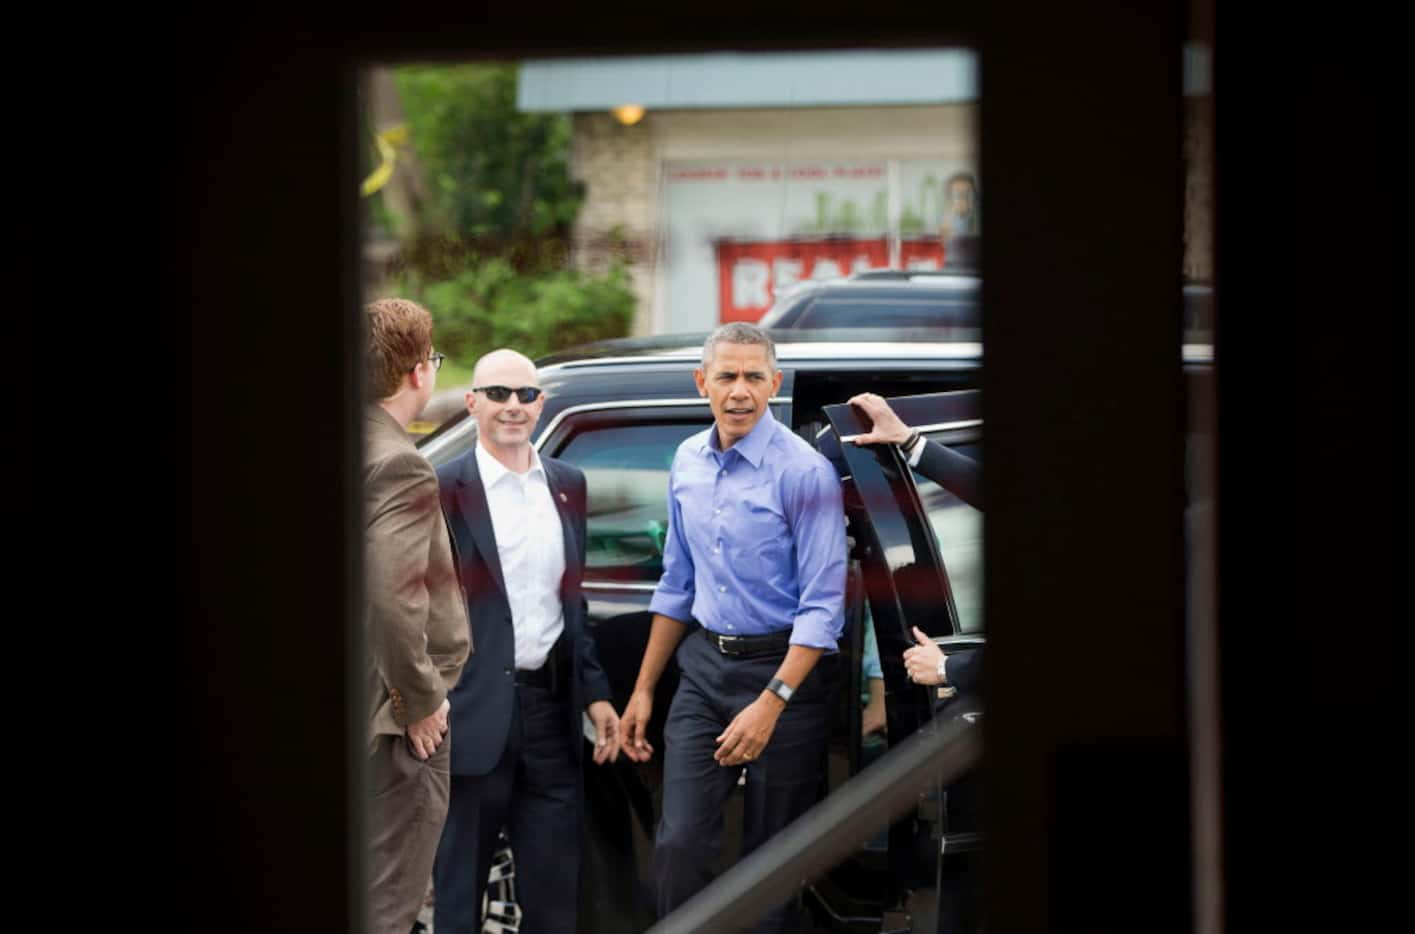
416	625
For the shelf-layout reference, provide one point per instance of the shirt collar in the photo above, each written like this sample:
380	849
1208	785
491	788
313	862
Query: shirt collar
493	471
753	447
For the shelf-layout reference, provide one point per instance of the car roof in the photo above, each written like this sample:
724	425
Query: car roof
792	347
958	289
887	283
634	368
854	344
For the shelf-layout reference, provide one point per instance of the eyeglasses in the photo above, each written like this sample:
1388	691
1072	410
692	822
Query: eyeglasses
527	394
435	359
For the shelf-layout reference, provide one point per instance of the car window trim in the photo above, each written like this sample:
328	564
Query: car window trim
1197	352
936	427
801	352
565	413
961	641
609	585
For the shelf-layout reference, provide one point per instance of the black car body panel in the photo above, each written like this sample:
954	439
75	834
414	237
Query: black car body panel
913	304
618	411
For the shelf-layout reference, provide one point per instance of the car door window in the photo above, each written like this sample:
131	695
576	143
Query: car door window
899	313
626	475
959	530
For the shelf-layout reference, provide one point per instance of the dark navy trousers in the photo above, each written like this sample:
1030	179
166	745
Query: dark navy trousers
781	785
534	792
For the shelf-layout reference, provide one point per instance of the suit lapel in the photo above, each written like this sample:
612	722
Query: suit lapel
471	502
561	498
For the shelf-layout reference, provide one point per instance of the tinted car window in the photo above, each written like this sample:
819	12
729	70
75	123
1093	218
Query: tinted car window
845	312
626	474
959	529
784	313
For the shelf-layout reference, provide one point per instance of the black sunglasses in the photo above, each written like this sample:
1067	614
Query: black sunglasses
527	394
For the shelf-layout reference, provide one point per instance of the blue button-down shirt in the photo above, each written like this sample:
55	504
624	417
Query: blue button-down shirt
756	538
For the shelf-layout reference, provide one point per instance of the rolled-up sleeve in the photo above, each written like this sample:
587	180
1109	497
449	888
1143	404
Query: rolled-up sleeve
674	595
816	510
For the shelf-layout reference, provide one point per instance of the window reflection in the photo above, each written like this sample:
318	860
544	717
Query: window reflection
959	530
626	472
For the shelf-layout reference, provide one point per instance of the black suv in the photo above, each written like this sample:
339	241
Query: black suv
920	301
618	410
879	299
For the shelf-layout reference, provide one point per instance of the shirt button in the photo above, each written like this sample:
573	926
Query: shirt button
717	512
730	626
716	550
723	589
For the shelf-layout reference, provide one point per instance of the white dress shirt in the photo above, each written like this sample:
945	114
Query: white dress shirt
531	546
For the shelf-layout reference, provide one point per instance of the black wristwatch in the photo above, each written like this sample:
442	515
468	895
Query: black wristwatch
910	443
781	689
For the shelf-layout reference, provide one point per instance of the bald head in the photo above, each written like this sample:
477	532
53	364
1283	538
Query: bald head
490	369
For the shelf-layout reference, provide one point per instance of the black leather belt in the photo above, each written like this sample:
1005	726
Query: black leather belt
540	677
771	643
549	674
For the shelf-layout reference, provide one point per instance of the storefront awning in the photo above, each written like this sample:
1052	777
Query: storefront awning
733	80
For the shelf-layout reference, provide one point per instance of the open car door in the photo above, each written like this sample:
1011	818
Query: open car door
916	561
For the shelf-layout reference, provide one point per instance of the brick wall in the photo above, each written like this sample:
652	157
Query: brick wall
619	170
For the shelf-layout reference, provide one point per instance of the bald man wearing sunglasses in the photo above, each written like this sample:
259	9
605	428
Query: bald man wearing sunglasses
518	523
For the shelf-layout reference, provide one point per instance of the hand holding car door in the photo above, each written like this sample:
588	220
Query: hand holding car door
962	477
886	427
925	661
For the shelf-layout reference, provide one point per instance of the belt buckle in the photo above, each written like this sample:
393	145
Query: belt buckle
726	643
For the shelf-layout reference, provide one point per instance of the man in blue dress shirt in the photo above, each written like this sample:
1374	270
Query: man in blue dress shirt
751	599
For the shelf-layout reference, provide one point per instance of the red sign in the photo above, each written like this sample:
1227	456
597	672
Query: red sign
749	273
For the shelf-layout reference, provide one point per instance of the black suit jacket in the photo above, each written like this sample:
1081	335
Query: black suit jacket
481	701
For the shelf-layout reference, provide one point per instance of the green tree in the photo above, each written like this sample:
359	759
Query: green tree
495	204
494	176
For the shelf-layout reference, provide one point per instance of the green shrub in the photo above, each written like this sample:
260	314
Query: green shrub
489	304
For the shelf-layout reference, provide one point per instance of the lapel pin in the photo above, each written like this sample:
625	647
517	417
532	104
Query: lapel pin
564	498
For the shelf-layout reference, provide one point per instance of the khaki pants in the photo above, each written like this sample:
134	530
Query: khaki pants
406	813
